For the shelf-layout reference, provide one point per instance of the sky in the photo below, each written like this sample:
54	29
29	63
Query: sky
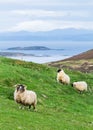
45	15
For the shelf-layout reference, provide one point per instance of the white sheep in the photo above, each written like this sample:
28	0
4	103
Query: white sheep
80	86
62	77
25	97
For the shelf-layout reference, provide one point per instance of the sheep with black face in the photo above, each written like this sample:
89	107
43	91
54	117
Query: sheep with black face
25	97
62	77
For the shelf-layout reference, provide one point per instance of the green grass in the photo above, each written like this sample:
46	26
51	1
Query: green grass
59	106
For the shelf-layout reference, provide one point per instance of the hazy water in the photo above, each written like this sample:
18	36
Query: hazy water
42	56
45	55
68	49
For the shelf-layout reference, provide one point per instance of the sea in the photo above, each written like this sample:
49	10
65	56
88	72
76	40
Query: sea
58	50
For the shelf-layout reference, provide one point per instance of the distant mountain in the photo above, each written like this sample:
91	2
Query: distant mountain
55	35
29	48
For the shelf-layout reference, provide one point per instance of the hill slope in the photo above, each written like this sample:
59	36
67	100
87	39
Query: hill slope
82	62
59	106
83	56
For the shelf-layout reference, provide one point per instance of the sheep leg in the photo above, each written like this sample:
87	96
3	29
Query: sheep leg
80	91
34	106
29	106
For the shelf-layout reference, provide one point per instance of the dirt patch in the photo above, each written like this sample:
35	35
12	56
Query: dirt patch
84	66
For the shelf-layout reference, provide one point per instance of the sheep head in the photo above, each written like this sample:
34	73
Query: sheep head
58	70
20	88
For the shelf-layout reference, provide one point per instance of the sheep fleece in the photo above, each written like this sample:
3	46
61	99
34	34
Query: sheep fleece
26	98
62	77
80	85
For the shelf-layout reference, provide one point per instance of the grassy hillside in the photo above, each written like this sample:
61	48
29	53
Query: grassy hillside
59	107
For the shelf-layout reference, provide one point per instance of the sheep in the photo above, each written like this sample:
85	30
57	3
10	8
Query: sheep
25	97
80	86
62	77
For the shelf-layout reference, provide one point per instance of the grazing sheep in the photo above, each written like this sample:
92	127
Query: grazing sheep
62	77
80	86
25	97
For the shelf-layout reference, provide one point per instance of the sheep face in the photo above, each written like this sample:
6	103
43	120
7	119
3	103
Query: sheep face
20	88
59	70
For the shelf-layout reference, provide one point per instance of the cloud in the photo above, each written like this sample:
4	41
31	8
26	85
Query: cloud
45	4
40	13
34	26
40	25
44	15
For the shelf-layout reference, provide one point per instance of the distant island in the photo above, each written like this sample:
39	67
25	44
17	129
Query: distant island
30	48
10	52
14	54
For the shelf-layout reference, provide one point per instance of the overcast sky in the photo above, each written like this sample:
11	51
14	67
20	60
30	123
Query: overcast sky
44	15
